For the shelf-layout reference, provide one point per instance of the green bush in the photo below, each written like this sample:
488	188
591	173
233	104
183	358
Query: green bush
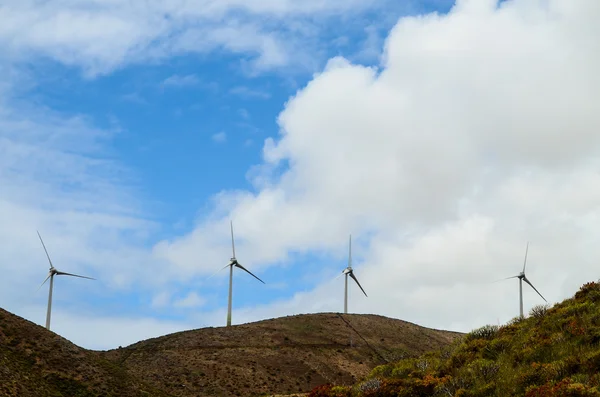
485	332
539	311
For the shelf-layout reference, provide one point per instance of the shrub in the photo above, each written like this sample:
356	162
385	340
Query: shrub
592	361
382	371
588	290
485	332
370	385
321	391
516	321
403	369
426	365
564	388
539	311
496	347
454	386
484	369
340	391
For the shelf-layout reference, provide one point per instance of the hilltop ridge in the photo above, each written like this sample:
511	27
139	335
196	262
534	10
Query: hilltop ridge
283	355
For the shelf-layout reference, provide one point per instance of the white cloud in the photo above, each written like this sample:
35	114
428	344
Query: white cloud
191	300
246	92
161	300
220	137
479	133
134	97
100	332
100	36
180	81
244	113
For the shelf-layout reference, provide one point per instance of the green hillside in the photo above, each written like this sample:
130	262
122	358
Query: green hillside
554	352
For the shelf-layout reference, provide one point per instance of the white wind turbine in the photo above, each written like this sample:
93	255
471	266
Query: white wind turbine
234	263
53	272
349	272
521	276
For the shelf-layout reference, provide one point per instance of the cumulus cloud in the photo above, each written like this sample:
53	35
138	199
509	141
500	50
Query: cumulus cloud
478	133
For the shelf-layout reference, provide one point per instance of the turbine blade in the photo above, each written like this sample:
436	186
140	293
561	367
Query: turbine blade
507	278
45	250
538	292
49	275
340	275
232	242
355	279
217	272
248	271
73	275
525	262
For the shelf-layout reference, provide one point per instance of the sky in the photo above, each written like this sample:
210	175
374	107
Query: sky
442	135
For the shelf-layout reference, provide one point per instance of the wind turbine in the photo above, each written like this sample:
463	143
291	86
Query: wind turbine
53	272
521	276
349	272
233	262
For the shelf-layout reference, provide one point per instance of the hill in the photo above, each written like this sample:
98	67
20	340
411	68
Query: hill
280	356
37	362
555	352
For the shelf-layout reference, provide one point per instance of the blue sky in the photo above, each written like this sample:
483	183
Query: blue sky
130	137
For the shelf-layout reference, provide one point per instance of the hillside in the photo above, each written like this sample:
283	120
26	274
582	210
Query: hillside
36	362
280	356
555	352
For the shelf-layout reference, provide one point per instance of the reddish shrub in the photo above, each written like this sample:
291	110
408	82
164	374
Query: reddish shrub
321	391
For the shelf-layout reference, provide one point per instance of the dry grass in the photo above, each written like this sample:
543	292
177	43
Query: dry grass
274	357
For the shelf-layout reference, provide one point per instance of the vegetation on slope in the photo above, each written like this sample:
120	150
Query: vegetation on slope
554	352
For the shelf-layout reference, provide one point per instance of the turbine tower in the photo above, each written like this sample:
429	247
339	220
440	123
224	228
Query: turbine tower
53	272
234	263
349	272
521	276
